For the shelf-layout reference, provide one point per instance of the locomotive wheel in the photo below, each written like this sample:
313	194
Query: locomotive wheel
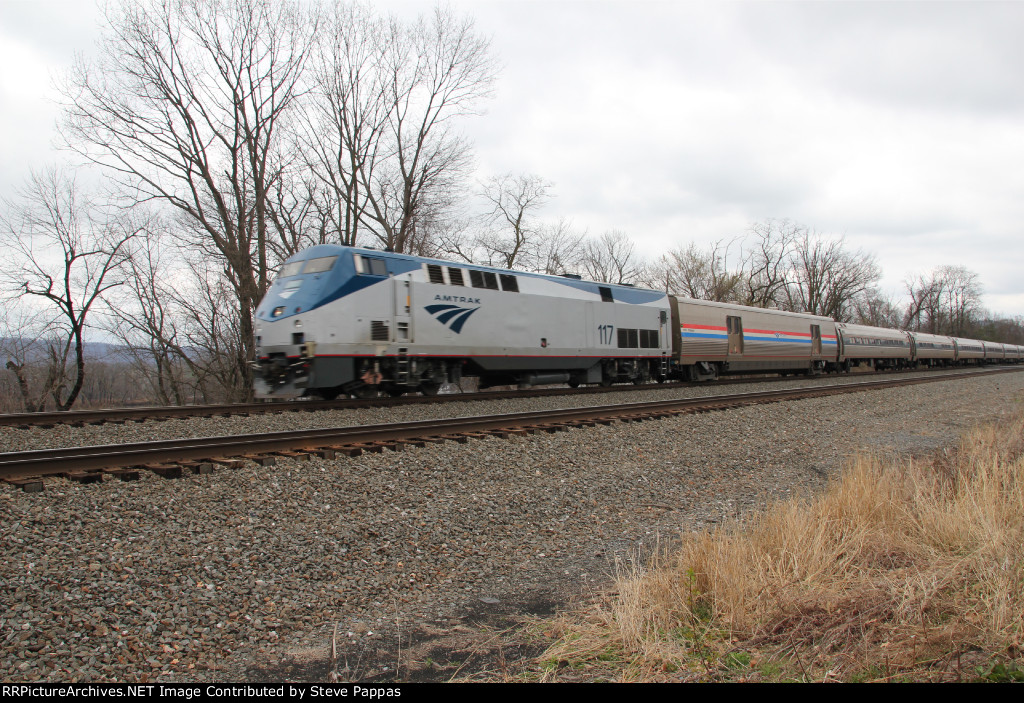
366	392
429	388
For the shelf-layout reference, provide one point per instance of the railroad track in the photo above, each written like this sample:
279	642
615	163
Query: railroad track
174	458
143	414
158	413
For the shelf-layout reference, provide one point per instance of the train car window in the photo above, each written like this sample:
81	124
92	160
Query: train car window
509	283
606	294
490	280
291	269
324	263
455	277
476	278
434	273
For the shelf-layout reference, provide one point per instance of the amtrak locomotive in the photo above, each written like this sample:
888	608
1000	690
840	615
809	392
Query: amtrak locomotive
342	320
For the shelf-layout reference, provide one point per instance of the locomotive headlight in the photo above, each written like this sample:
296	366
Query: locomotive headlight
298	323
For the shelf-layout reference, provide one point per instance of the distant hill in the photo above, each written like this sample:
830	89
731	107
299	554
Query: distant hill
94	351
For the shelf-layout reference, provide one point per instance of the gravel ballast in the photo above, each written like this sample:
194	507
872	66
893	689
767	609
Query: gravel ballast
202	578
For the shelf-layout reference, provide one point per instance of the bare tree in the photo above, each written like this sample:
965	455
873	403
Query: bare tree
766	261
432	72
209	339
342	124
26	341
875	309
185	106
963	298
148	325
827	279
945	301
513	234
379	131
611	258
700	273
559	248
925	292
66	252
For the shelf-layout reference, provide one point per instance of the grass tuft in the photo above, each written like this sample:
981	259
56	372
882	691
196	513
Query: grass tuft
903	570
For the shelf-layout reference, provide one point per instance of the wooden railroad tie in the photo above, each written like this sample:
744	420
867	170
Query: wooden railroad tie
505	434
346	449
261	459
298	456
228	462
83	476
197	467
29	485
124	474
372	447
460	438
581	423
165	470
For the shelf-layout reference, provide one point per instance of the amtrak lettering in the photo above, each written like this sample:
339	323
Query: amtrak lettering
457	299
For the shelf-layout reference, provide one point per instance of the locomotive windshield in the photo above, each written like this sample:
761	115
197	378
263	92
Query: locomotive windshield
324	263
291	269
319	265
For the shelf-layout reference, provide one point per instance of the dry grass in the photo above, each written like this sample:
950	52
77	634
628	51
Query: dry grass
904	569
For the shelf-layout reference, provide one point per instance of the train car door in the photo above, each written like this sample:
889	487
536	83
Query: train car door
734	330
815	342
402	330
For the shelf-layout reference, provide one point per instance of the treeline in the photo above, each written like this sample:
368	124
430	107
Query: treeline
219	137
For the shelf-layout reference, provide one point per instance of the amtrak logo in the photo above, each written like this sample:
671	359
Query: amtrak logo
451	315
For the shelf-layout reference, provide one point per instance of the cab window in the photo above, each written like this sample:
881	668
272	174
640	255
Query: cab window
324	263
371	266
291	269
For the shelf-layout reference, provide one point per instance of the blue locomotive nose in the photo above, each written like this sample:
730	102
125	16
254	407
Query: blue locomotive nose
306	282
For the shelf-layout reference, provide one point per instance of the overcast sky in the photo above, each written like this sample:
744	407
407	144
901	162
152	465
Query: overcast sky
898	125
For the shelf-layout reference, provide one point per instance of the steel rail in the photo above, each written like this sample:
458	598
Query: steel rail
16	465
158	412
85	417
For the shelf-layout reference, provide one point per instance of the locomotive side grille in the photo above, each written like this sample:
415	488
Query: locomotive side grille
434	273
379	331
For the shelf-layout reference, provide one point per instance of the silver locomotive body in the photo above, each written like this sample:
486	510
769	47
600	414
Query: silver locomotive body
364	321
